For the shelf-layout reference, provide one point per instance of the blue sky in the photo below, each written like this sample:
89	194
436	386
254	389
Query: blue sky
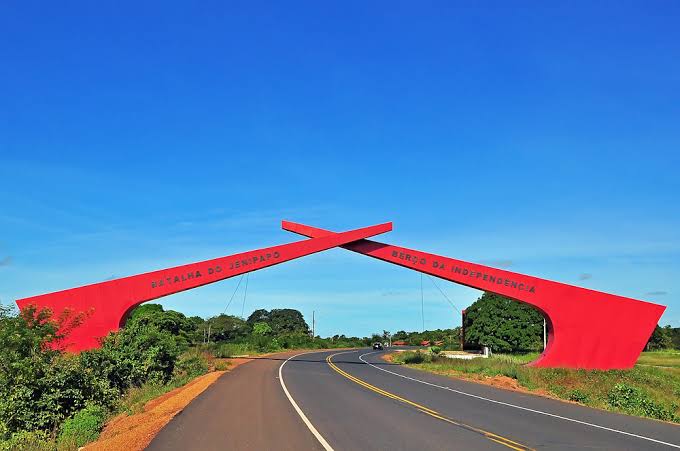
542	138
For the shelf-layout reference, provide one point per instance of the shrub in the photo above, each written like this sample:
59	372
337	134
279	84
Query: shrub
221	366
82	428
578	396
634	401
28	441
435	350
135	355
414	357
190	365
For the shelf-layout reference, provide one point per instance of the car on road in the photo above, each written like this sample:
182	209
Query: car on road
378	346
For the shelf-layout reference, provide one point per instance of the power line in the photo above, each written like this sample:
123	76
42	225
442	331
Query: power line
245	292
443	294
233	294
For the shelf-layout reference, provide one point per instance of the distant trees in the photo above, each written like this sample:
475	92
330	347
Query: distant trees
504	324
281	321
662	338
227	327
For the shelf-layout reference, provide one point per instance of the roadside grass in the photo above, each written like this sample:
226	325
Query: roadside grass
670	359
647	391
228	350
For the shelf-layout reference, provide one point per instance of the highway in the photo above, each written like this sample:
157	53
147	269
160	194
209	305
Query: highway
354	400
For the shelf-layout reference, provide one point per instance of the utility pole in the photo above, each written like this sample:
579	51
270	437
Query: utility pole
313	324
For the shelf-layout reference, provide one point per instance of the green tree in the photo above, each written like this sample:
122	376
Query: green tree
227	327
675	337
661	338
504	324
175	323
287	320
258	316
282	321
400	335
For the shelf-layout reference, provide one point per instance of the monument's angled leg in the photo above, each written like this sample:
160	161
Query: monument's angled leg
587	328
106	304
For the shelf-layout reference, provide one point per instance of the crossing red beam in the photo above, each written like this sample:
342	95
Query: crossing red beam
587	328
106	304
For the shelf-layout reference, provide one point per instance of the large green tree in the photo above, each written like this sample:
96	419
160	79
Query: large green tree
504	324
227	327
282	321
171	321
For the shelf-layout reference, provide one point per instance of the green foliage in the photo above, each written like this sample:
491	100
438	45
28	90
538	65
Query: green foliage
42	388
413	357
227	327
138	353
28	441
190	365
228	350
635	401
38	387
82	428
661	338
280	320
578	396
261	329
503	324
435	350
175	323
258	316
675	337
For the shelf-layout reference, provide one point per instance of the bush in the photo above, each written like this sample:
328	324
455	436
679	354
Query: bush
28	441
83	427
190	365
221	366
39	386
414	357
435	350
135	355
634	401
578	396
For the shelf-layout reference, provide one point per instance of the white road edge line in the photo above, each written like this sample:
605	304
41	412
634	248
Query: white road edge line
573	420
305	420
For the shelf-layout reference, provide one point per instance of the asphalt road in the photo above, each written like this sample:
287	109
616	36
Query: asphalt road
353	400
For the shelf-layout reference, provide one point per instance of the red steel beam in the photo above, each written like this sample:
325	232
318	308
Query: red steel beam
587	328
106	304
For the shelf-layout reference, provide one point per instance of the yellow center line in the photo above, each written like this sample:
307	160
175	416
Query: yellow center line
426	410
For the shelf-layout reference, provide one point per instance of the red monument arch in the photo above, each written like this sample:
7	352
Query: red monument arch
587	328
